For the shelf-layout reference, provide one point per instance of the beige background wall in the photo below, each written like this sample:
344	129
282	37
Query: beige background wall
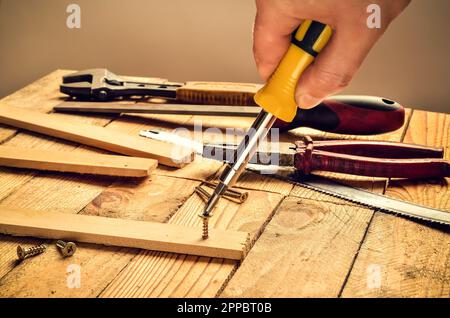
208	40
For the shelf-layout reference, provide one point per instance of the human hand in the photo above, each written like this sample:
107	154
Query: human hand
339	61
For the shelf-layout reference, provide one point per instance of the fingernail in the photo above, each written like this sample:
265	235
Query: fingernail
308	101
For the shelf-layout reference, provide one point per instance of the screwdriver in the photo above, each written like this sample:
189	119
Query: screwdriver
349	115
277	100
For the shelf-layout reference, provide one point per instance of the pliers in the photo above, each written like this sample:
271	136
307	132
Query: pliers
362	158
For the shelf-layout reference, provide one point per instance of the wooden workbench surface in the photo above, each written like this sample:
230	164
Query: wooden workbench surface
305	244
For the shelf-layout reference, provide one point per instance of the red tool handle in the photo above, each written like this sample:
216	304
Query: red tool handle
374	149
372	167
351	115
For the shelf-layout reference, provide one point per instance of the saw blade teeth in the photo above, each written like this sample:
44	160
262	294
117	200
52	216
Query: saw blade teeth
360	202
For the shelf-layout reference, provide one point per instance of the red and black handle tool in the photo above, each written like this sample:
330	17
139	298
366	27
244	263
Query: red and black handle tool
352	115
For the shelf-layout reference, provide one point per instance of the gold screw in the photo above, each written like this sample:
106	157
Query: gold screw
23	253
205	232
202	193
240	197
66	248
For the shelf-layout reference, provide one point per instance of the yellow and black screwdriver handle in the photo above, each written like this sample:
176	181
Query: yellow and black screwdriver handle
278	95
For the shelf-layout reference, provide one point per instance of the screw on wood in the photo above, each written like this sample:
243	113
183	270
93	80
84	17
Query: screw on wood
205	218
66	248
23	253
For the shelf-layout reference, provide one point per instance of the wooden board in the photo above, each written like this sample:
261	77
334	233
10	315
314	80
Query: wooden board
305	251
76	162
108	231
95	136
153	274
152	200
400	257
128	272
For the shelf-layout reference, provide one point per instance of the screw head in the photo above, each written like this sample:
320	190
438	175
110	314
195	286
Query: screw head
21	252
69	249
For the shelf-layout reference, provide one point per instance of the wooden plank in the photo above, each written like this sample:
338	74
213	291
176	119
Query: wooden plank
218	93
46	191
305	250
76	162
128	233
153	200
400	257
95	136
41	96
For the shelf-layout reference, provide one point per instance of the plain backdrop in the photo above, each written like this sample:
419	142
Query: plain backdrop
208	40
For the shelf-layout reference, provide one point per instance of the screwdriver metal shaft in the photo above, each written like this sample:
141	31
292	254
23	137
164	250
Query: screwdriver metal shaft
276	99
241	157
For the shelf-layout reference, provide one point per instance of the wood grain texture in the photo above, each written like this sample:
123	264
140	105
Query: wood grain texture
305	251
153	274
309	246
127	233
407	258
155	200
98	137
76	162
42	95
146	200
46	191
218	93
142	273
70	194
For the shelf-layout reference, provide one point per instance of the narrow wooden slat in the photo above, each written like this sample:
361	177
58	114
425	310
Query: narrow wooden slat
400	257
95	136
152	200
108	231
76	162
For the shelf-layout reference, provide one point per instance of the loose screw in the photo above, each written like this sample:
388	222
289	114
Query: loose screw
202	193
66	248
205	231
230	193
23	253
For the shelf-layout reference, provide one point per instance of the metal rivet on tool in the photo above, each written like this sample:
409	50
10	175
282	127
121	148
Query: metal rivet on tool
66	248
23	253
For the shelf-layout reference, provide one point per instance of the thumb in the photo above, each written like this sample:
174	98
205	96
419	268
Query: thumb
335	66
271	37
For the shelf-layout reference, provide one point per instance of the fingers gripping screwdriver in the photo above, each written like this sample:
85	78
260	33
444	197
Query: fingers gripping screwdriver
276	99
